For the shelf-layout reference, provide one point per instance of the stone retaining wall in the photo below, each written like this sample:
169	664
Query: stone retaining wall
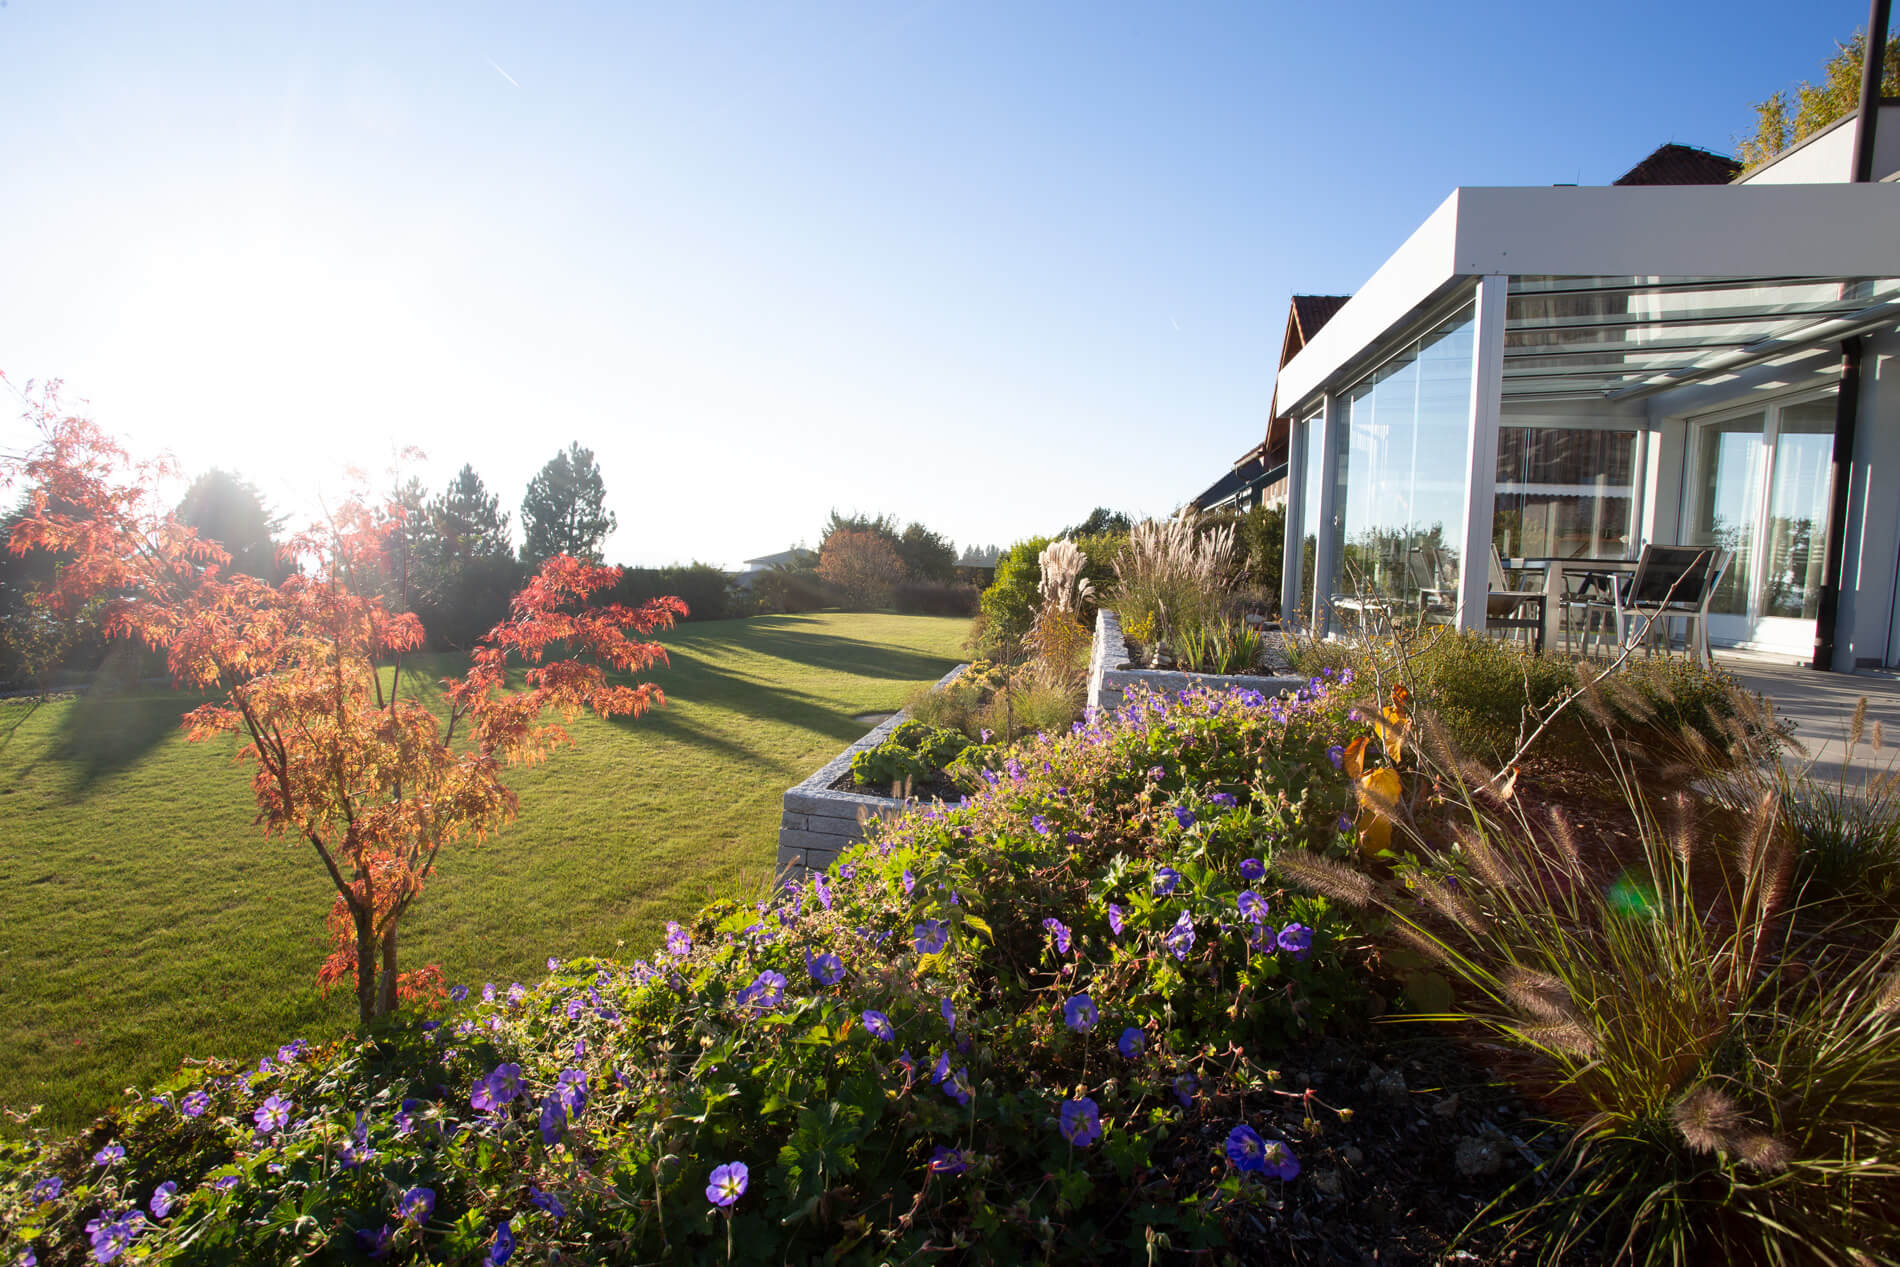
820	822
1111	676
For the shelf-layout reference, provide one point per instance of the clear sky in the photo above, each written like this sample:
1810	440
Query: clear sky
983	265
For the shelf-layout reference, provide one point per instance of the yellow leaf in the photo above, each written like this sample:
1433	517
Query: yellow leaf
1355	759
1379	794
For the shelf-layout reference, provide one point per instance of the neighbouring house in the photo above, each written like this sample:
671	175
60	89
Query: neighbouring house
796	557
1258	476
1692	355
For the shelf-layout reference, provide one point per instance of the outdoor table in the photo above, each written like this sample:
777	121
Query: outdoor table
1555	590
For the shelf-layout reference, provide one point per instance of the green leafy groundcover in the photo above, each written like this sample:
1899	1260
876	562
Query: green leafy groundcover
1023	1026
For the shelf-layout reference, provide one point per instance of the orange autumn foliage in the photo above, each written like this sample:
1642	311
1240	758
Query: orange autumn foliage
374	781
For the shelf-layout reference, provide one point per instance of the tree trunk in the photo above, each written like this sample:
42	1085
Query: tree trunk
386	1001
365	965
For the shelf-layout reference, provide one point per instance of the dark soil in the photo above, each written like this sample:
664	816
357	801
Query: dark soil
1431	1140
938	789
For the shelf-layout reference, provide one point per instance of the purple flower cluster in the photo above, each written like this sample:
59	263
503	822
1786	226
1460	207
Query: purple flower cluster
1249	1152
1060	931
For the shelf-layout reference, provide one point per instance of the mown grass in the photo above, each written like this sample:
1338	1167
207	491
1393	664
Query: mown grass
147	919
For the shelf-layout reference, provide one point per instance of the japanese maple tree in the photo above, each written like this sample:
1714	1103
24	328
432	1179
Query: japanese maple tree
308	674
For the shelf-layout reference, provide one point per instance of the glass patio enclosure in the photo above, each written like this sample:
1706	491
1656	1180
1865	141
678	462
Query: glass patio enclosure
1535	415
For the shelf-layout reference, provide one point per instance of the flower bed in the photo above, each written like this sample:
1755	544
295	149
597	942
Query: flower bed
1051	1023
820	821
1113	676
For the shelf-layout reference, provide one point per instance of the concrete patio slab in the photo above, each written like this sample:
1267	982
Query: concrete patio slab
1821	707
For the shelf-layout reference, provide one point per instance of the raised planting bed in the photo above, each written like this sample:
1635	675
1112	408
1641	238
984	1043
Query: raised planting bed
1112	672
821	820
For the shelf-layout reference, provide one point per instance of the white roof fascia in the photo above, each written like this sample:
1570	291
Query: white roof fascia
1412	274
1847	230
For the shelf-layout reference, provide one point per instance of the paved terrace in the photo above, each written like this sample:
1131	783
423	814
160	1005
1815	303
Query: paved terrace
1821	706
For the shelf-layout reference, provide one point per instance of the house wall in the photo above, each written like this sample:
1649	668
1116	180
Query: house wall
1827	157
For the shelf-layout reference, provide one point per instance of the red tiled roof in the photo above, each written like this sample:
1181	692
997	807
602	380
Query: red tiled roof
1682	165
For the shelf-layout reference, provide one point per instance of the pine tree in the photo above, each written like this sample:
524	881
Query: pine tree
565	509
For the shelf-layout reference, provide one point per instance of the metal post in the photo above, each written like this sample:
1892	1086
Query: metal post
1326	521
1292	544
1481	451
1875	59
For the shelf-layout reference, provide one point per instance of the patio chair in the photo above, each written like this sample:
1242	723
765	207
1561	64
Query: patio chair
1513	609
1670	583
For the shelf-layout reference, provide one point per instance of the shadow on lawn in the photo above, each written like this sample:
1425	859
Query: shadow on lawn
104	734
781	637
692	680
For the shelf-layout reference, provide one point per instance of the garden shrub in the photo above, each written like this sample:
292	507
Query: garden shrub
707	590
1009	604
914	753
935	598
1479	686
793	592
1006	1028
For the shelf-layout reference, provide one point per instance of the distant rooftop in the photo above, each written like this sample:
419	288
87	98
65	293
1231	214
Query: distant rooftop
1674	164
776	560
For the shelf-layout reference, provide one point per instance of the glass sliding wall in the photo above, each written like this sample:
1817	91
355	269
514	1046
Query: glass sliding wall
1401	478
1312	445
1565	492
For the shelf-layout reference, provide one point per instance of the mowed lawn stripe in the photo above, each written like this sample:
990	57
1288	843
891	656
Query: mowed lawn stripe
149	920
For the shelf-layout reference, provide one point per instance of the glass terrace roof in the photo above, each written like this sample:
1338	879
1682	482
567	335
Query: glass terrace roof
1610	336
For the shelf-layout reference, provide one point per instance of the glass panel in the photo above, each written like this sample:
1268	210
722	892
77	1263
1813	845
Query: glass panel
1565	493
1401	459
1727	487
1797	509
1312	438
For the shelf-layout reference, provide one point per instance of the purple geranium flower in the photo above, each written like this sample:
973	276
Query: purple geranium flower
1246	1149
1129	1044
1165	880
1060	932
500	1087
548	1202
1252	906
376	1242
111	1153
1278	1160
1184	816
941	1069
930	936
948	1010
571	1090
957	1086
948	1161
1081	1121
1252	869
274	1115
1223	799
164	1197
1115	919
1337	755
457	993
727	1183
1079	1014
822	888
195	1103
553	1120
910	881
764	993
417	1205
48	1189
826	969
1296	940
679	942
1180	938
879	1025
488	993
503	1246
1041	824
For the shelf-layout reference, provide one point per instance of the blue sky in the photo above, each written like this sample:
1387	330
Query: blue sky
980	265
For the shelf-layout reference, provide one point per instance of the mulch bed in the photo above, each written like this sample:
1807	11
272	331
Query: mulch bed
939	789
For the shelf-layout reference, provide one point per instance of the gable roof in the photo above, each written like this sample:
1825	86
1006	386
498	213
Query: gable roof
1674	164
1304	319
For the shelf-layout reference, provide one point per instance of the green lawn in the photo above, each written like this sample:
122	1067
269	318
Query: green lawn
148	920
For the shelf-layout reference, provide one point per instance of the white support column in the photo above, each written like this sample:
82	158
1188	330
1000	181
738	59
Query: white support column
1290	550
1326	519
1481	450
